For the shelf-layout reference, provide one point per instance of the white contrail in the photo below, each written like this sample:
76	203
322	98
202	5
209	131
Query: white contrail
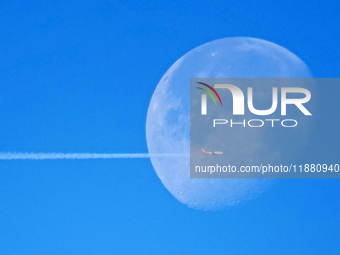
41	156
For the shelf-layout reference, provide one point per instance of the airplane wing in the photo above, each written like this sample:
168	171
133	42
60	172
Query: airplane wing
212	152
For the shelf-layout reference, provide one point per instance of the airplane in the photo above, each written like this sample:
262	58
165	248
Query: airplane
210	152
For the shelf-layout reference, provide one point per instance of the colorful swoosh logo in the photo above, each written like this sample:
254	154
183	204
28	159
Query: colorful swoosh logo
209	93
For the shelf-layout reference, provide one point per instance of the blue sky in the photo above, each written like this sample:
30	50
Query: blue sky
77	76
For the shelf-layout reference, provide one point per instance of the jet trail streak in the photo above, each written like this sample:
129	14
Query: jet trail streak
42	156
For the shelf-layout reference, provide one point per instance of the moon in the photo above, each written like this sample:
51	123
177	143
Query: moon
168	118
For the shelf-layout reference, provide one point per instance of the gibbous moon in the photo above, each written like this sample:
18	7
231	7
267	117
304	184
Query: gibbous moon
168	119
